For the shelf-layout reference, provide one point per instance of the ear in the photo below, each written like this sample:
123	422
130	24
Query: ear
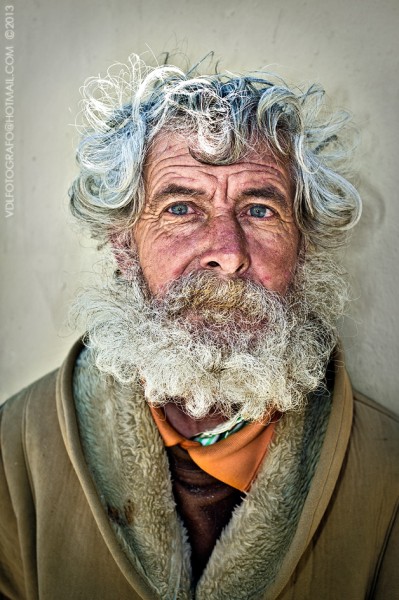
122	245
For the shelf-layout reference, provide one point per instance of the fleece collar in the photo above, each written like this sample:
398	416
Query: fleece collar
267	534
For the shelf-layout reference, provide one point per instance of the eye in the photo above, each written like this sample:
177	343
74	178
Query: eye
181	208
260	211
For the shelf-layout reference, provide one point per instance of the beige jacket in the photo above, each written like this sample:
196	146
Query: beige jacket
87	510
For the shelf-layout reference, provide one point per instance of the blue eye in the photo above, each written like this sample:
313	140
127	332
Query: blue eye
259	210
178	209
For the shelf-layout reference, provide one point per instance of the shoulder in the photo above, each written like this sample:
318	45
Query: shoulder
375	446
35	399
33	410
373	453
374	408
376	422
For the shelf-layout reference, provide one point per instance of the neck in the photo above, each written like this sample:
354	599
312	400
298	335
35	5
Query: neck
188	426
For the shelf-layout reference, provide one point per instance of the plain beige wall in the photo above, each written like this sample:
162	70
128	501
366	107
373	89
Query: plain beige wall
350	47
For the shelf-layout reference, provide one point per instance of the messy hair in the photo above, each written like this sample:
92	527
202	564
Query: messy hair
223	115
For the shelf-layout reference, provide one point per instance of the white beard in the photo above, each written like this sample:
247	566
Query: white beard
215	345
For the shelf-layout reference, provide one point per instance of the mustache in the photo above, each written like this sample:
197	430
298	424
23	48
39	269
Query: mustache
207	295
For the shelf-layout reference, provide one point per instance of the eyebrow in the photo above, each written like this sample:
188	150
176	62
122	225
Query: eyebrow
175	190
268	192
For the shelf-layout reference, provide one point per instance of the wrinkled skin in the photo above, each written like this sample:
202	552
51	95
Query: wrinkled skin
236	220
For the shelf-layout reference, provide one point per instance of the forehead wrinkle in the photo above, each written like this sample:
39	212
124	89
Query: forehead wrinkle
183	160
170	167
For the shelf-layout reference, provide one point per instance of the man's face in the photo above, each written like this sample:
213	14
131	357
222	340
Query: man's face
215	244
234	220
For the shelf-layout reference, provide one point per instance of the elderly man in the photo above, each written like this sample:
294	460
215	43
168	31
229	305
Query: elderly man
203	440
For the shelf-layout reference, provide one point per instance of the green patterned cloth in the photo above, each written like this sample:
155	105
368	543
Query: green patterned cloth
207	438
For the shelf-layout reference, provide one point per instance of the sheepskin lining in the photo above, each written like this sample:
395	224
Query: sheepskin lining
129	465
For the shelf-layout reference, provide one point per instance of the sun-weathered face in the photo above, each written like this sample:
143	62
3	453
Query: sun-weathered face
234	220
231	307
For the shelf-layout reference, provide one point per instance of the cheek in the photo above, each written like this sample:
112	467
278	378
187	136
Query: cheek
273	262
163	256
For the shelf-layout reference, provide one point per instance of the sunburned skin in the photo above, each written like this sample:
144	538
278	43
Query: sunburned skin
235	220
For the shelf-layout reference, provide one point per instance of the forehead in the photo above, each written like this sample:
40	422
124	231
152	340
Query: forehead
169	158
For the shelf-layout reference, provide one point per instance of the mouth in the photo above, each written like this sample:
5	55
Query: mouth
225	311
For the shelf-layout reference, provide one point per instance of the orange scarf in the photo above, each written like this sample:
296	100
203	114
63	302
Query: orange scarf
234	460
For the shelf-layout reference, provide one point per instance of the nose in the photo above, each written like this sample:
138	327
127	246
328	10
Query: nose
226	247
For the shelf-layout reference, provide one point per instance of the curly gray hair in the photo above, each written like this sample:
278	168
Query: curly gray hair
223	115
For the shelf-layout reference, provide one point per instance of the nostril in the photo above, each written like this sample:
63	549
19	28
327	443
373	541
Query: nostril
213	263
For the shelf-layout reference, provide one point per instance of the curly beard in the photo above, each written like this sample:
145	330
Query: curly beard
216	345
